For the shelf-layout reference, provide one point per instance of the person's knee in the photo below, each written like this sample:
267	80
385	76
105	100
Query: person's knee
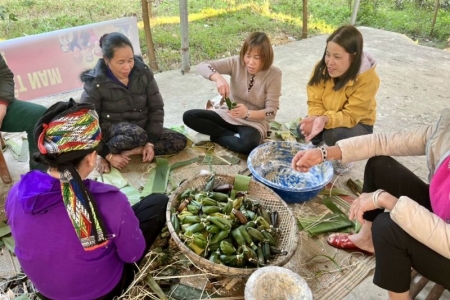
377	162
330	137
188	116
152	206
159	201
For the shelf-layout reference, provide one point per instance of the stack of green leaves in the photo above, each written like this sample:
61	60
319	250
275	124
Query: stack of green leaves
333	221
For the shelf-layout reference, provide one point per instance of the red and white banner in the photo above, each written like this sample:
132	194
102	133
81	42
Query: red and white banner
51	63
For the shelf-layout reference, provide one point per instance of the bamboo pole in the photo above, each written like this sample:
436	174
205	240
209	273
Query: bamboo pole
148	37
184	27
436	10
305	19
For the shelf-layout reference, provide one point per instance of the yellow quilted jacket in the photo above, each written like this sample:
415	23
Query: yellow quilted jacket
354	103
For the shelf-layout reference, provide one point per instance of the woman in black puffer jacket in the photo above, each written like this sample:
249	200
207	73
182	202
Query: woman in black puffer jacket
129	104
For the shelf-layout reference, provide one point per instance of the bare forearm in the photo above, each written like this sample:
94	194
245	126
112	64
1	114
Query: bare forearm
387	201
256	114
334	153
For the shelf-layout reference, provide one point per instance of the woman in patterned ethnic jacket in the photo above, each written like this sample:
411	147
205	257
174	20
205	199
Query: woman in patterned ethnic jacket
405	221
255	85
129	104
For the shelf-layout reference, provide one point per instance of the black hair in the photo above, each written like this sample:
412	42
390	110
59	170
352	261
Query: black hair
349	38
109	42
56	160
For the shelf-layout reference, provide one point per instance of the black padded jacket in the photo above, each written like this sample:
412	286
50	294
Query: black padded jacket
141	103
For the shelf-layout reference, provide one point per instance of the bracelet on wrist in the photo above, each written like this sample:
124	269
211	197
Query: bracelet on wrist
375	196
324	153
108	157
248	114
151	144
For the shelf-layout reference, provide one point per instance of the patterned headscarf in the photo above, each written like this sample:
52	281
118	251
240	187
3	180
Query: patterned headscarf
68	131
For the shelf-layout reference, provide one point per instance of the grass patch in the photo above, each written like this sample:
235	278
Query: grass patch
218	27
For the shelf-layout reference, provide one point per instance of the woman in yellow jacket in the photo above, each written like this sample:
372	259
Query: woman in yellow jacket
341	91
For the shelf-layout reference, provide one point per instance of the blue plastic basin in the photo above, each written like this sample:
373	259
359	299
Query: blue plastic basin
270	164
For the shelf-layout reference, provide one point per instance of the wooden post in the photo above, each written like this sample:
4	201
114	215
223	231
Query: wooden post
354	12
149	5
148	36
184	27
305	19
436	9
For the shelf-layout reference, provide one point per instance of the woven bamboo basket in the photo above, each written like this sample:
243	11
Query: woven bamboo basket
288	231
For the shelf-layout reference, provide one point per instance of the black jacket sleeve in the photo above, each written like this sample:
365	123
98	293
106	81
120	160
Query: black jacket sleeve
155	105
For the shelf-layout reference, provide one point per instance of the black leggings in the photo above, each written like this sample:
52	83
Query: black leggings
151	213
223	133
396	251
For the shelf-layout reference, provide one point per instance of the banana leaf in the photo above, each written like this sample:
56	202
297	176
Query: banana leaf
285	135
155	287
330	222
9	243
115	178
183	163
241	183
293	124
4	229
335	191
158	178
181	129
132	194
23	151
355	186
330	204
274	125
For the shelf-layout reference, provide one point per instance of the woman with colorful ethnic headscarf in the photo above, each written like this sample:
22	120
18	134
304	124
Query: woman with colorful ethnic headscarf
131	109
77	238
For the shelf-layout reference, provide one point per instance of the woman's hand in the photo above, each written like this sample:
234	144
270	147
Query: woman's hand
222	86
239	111
312	126
119	161
305	159
365	203
148	153
306	125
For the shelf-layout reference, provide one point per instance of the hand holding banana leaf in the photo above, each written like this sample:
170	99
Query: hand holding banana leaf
238	111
